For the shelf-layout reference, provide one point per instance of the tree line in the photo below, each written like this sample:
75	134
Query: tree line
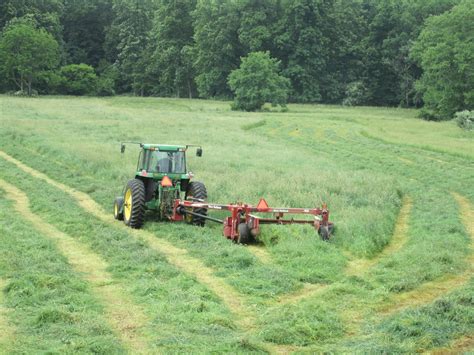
356	52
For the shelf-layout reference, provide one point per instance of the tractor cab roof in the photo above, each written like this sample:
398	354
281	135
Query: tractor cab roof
165	147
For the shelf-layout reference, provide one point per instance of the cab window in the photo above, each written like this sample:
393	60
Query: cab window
167	162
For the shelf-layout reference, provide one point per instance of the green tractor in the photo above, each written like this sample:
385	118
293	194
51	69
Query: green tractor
161	179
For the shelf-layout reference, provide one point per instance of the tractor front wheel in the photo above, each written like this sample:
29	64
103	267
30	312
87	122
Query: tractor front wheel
196	191
118	212
134	203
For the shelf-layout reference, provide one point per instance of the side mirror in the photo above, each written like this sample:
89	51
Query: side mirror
122	148
199	152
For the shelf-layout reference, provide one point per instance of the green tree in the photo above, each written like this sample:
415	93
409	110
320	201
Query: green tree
345	27
445	51
218	49
26	53
85	24
78	79
257	81
258	23
128	39
45	13
303	47
393	27
172	42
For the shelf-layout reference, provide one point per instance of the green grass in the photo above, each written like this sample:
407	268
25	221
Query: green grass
171	298
52	309
422	328
361	161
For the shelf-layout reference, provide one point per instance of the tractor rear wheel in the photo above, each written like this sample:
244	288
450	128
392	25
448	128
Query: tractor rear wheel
118	203
134	203
244	234
196	190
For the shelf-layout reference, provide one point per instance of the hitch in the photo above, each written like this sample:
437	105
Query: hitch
181	210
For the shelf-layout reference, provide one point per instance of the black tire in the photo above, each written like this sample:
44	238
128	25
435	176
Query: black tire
244	234
196	190
118	212
136	188
326	231
150	187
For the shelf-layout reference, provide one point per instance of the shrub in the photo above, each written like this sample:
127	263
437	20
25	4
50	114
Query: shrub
24	93
105	86
78	79
428	115
50	82
356	94
465	119
257	81
108	76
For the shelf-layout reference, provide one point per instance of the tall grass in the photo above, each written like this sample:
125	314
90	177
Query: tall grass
361	161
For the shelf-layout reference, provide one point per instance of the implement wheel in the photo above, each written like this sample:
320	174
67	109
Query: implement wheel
118	203
244	234
326	231
196	190
134	203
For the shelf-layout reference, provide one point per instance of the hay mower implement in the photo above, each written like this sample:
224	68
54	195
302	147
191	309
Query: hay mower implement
161	180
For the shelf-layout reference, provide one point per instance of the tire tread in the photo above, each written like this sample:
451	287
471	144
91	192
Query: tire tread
137	216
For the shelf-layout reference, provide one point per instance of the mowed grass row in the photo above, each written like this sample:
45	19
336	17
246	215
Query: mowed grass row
435	216
354	148
185	315
43	202
359	304
362	182
437	245
365	204
50	308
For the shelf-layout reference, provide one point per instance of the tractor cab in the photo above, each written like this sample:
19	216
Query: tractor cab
159	160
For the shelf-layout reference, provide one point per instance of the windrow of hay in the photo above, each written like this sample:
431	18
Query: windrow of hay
260	253
6	330
437	288
307	291
125	317
357	267
245	317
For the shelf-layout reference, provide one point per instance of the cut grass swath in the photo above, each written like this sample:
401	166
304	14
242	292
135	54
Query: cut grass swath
356	267
359	160
178	257
6	328
50	308
429	291
125	317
